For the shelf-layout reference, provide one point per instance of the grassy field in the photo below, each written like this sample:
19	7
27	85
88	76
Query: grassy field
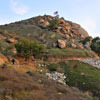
84	76
81	75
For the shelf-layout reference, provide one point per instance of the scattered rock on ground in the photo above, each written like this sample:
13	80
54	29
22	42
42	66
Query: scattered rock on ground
73	45
11	40
56	76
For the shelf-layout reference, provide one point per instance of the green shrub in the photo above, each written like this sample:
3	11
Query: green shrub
87	39
25	48
37	49
95	39
53	67
95	45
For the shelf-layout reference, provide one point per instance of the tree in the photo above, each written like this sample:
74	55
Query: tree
25	48
95	45
87	39
37	49
95	39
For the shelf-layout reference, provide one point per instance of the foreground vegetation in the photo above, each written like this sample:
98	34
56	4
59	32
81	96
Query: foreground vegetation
81	75
15	85
26	48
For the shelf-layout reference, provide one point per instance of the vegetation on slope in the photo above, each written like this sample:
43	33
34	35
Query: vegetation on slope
69	52
33	86
26	48
47	30
79	74
95	46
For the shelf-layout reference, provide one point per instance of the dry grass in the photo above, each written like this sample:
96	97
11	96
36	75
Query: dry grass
12	82
25	67
21	86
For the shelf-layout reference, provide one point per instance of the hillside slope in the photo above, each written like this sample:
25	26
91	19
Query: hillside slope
27	80
66	35
37	29
33	86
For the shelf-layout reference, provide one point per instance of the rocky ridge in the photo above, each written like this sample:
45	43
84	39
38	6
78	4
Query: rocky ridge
36	28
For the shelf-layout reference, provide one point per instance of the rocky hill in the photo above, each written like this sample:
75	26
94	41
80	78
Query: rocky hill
37	29
66	35
58	74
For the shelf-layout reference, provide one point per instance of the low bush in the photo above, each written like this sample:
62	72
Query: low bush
87	39
53	67
26	48
95	45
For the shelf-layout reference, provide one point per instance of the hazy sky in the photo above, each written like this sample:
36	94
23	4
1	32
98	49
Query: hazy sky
84	12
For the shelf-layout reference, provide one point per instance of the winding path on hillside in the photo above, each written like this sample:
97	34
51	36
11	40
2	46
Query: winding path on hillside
91	61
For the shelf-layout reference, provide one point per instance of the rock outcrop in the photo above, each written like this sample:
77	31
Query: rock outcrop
3	59
61	43
11	40
67	28
37	29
